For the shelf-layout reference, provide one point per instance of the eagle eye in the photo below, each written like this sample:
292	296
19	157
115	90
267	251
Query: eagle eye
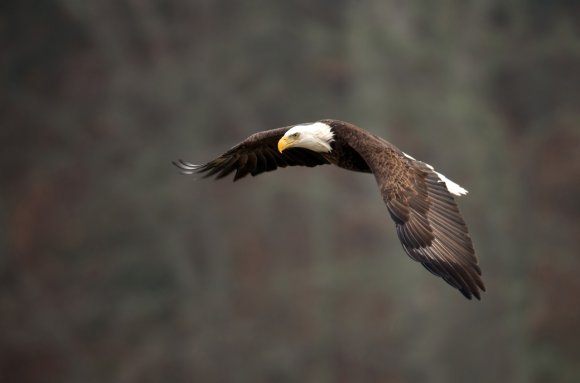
295	135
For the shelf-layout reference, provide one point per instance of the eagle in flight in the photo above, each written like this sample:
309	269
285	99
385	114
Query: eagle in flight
419	199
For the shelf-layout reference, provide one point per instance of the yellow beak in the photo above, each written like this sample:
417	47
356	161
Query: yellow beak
284	143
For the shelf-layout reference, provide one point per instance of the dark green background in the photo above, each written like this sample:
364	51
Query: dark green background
114	268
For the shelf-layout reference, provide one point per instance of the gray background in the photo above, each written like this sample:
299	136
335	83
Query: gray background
114	268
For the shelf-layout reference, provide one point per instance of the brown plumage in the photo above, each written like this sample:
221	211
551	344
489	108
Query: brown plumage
428	222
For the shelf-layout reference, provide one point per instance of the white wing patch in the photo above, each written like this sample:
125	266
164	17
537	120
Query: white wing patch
452	187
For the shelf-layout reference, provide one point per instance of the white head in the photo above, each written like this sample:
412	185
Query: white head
316	137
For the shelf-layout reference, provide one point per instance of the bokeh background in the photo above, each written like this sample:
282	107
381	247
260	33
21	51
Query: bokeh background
115	268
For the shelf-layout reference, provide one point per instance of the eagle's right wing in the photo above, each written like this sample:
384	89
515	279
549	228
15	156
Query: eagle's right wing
428	222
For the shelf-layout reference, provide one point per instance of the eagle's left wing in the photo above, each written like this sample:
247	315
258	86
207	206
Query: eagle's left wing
255	155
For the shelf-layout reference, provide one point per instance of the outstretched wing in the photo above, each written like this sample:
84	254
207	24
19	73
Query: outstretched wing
256	154
429	224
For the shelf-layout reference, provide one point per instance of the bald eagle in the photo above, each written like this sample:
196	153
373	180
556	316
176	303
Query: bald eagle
419	200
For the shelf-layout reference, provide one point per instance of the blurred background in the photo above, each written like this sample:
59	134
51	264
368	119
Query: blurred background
115	268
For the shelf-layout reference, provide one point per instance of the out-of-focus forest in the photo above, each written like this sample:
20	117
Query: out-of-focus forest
115	268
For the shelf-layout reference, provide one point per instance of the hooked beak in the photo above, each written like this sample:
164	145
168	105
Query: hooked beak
284	143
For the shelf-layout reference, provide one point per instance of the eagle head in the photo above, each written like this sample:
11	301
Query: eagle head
316	136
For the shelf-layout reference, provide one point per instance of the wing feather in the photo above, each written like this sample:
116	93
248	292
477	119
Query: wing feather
252	163
428	222
255	155
228	168
269	160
